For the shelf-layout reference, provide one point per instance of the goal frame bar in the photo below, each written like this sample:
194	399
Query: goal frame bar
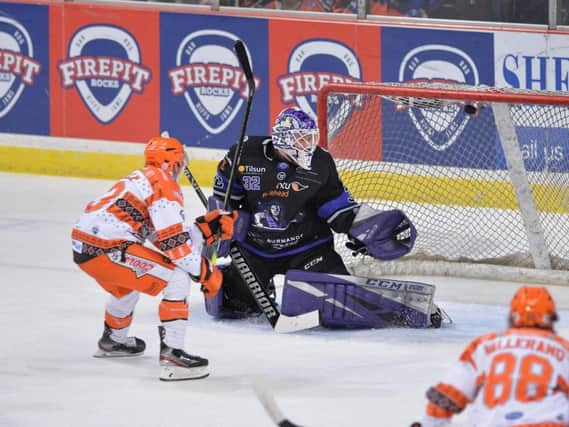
490	95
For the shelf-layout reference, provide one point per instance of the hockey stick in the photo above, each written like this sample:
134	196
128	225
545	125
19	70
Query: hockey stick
196	186
243	58
269	403
246	66
278	321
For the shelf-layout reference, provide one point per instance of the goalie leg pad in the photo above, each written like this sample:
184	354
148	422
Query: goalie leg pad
356	302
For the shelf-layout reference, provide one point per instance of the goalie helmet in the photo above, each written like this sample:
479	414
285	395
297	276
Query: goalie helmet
532	307
167	154
295	135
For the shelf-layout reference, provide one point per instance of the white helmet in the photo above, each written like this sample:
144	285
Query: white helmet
295	135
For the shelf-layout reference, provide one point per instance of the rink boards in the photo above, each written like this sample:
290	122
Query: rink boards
80	71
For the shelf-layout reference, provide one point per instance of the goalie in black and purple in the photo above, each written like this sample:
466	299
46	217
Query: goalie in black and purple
290	200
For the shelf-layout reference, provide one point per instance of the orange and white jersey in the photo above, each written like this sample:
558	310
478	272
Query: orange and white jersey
147	204
519	377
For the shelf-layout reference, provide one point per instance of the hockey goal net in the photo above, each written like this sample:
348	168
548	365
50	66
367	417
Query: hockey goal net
482	172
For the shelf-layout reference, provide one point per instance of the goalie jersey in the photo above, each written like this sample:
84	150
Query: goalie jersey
519	377
292	209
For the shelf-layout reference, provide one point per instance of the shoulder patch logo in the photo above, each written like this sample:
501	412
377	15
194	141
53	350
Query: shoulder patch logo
305	75
18	68
104	64
209	76
442	64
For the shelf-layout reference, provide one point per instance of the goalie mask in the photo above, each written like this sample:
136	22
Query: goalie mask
167	154
295	136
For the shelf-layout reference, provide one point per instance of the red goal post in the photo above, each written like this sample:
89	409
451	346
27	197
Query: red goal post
483	172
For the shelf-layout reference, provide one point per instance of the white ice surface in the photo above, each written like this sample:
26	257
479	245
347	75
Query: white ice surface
51	315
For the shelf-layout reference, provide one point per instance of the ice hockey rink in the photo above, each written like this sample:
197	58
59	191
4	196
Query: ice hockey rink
52	316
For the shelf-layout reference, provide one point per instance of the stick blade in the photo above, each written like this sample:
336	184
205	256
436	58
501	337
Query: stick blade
286	324
243	58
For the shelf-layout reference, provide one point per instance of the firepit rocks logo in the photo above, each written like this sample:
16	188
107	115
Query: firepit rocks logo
440	128
313	64
208	74
104	64
18	68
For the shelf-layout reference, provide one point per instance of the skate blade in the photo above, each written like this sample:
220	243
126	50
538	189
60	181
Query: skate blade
178	373
101	354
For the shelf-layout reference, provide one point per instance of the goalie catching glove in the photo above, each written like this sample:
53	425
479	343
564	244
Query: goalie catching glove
214	222
210	278
384	235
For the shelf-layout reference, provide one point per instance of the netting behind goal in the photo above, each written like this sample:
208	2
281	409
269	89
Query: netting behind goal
482	172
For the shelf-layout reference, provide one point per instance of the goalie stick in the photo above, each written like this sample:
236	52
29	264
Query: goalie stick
241	53
243	58
270	404
278	321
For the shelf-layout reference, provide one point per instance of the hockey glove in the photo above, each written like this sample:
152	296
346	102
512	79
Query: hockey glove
384	235
210	278
214	222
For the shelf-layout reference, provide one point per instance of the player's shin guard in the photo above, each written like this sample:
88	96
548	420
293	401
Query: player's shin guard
357	302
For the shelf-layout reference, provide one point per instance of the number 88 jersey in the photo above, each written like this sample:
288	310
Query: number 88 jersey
519	377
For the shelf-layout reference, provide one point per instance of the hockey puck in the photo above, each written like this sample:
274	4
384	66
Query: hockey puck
470	109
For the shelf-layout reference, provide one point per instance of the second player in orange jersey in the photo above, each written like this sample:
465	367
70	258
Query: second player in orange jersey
517	377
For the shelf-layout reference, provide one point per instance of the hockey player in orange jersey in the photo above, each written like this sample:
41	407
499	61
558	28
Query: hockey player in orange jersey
517	377
108	244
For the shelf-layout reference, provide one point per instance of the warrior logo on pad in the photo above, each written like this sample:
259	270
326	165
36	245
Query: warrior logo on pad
104	64
440	128
209	76
18	68
313	64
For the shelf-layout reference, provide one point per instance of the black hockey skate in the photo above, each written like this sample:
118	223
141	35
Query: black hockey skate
177	365
108	348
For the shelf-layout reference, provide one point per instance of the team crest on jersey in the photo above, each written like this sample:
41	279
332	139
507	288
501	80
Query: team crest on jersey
313	64
208	75
440	128
104	64
18	68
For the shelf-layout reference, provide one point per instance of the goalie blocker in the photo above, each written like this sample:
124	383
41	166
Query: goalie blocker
356	302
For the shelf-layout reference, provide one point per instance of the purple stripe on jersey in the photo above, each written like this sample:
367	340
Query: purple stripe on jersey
287	253
330	207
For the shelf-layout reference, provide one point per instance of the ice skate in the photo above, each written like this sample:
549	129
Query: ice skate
439	317
177	365
109	348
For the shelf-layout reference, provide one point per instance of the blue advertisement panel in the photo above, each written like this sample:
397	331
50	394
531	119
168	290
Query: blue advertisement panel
536	61
453	57
543	149
203	89
24	69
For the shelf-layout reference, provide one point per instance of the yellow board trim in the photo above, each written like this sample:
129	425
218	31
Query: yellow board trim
450	191
363	185
87	164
